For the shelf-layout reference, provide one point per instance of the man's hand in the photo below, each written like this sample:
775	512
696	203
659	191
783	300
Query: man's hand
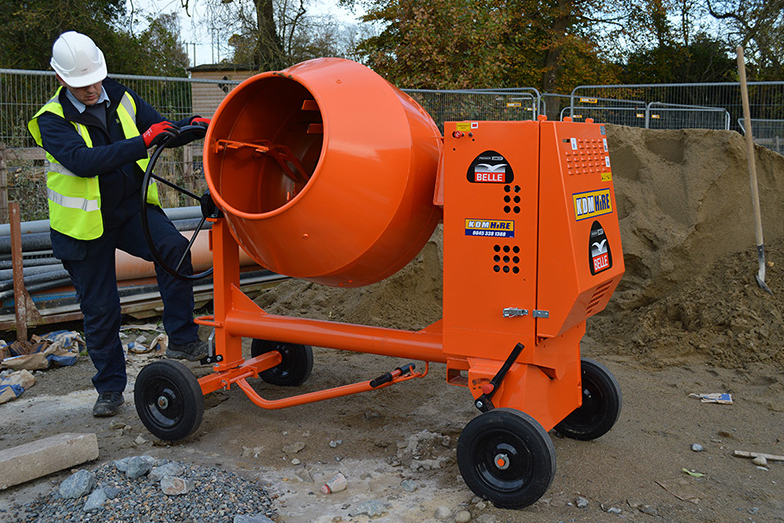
198	120
159	132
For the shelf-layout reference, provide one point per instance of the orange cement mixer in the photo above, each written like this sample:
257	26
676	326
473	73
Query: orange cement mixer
324	171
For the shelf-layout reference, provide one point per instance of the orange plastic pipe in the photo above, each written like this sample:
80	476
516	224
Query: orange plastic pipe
325	171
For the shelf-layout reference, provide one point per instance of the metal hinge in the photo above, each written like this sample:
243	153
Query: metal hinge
511	312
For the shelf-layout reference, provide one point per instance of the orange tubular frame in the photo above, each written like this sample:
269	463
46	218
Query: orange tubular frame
237	316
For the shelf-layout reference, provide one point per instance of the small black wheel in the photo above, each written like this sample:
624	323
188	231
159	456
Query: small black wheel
169	400
293	370
601	404
505	456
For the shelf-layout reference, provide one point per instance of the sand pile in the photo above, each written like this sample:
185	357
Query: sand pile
684	205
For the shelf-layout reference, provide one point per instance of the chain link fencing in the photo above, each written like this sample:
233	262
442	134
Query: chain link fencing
661	106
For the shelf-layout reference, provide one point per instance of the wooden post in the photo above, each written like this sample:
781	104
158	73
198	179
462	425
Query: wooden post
3	182
20	293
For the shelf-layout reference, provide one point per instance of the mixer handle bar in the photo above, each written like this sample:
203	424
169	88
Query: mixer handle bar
389	376
484	402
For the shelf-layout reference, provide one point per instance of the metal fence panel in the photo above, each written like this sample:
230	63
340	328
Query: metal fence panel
664	106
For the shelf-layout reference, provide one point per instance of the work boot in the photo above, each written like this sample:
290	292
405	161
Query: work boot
107	404
193	351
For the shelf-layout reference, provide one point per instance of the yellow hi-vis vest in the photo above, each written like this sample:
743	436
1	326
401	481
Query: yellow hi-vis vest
75	201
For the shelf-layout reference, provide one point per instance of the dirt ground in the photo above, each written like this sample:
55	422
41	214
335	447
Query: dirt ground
687	318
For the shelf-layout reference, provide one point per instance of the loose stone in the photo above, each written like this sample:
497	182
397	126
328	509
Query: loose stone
138	466
443	513
78	484
174	486
95	500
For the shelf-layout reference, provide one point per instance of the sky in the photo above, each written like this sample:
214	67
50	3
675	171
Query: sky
202	46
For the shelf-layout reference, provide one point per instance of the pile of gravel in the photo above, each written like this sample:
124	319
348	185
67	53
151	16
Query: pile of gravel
142	489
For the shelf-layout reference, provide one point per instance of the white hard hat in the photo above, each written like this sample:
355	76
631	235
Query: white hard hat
77	60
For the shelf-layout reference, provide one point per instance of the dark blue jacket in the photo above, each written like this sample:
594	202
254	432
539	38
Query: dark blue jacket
112	157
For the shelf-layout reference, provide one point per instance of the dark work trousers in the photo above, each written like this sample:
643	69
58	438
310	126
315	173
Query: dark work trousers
95	281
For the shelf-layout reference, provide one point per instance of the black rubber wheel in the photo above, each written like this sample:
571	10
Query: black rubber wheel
169	400
205	201
506	457
601	404
293	370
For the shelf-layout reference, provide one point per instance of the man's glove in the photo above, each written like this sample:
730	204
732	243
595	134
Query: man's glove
198	120
159	132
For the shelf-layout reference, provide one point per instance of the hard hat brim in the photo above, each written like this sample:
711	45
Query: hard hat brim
84	80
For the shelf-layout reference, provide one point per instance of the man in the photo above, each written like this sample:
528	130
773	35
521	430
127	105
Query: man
96	157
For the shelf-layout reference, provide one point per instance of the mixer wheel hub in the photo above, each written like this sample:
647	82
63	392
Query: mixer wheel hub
169	400
295	367
505	456
601	404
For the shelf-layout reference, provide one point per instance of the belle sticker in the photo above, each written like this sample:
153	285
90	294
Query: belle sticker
490	167
599	255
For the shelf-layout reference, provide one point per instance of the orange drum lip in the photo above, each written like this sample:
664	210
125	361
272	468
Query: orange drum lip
325	171
209	142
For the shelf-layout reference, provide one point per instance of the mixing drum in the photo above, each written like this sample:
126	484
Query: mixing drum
325	172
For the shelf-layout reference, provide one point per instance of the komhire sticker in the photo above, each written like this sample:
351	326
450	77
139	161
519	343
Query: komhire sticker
591	204
494	228
490	167
599	255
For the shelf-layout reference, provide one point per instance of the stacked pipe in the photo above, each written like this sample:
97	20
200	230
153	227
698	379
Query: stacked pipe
41	270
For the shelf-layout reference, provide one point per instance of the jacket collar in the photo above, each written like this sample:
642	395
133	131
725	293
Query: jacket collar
113	90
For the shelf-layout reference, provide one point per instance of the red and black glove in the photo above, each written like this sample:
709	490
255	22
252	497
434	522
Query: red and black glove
159	132
198	120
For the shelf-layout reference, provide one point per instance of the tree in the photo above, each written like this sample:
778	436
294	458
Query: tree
757	25
162	48
257	32
485	43
437	44
29	28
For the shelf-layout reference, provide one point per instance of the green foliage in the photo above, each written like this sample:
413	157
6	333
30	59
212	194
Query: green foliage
484	43
31	27
704	60
438	44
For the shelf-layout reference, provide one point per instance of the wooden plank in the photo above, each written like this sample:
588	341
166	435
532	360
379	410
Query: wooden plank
747	454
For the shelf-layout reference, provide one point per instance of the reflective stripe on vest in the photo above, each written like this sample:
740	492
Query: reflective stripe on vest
75	201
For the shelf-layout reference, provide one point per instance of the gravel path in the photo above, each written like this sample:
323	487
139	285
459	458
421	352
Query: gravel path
207	495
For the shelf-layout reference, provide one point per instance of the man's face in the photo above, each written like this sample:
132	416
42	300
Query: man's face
87	95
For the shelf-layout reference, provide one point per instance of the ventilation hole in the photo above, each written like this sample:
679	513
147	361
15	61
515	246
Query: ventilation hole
506	268
516	249
506	248
496	268
517	209
507	199
517	188
496	258
506	259
506	209
517	199
497	248
516	259
507	188
515	269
